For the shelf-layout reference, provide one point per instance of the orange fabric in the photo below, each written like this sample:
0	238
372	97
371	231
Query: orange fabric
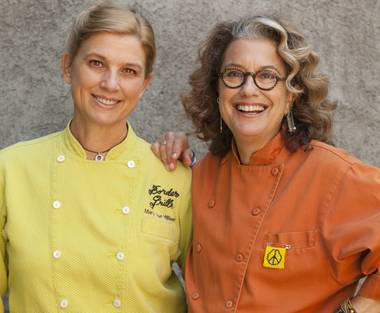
322	205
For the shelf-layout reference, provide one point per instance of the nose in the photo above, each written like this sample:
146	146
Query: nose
110	80
249	87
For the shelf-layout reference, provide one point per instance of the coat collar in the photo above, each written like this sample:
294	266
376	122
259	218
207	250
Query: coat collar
127	145
273	152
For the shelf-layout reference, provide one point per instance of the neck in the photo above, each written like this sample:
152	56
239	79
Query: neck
97	138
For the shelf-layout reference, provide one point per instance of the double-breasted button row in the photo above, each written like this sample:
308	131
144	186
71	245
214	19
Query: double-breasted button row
228	304
256	211
61	158
275	171
64	303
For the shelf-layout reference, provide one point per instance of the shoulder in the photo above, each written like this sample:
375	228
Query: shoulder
333	154
29	149
207	167
332	161
154	165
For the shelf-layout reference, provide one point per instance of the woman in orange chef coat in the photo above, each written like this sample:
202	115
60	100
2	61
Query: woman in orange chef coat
283	221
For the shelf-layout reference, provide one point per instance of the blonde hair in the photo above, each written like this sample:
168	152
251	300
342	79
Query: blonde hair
108	16
311	108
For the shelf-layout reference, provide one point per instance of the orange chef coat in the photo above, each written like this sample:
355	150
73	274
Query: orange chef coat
316	213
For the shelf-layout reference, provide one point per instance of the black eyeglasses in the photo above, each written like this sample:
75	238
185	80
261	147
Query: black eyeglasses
264	79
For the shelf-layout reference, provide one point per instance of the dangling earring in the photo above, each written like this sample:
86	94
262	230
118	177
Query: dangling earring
220	119
290	119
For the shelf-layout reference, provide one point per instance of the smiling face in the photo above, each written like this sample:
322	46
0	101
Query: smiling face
250	113
107	78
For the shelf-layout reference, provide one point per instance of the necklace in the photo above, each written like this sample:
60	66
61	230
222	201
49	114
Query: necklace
100	155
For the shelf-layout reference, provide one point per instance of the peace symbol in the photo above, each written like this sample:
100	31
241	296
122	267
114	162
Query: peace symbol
274	257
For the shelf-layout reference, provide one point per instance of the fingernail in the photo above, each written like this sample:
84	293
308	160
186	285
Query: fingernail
174	155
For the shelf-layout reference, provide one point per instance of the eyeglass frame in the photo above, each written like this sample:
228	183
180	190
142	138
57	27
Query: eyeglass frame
253	75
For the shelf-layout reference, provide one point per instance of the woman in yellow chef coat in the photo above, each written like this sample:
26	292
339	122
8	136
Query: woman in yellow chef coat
90	220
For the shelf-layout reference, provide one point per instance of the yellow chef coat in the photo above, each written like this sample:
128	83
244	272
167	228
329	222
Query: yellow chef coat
85	236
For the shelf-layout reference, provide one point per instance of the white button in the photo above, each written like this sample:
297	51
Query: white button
64	303
120	256
116	303
125	210
57	254
56	204
61	158
131	164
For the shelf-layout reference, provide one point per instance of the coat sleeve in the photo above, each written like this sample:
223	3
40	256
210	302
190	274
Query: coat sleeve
3	272
352	227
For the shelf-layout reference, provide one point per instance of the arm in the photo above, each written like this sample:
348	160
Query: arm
185	223
3	274
171	147
352	232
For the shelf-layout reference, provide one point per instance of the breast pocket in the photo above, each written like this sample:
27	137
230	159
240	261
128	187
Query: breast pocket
294	242
159	229
301	250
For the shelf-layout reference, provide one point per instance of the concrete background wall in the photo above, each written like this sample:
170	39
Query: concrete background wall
35	101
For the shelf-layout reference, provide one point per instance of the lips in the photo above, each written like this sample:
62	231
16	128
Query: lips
105	102
250	108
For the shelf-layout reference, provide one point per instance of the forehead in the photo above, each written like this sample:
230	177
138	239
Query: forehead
120	48
251	54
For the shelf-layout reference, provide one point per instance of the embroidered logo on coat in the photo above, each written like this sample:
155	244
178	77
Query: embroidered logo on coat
161	199
274	257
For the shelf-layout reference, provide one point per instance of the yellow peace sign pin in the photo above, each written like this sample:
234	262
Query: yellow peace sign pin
274	257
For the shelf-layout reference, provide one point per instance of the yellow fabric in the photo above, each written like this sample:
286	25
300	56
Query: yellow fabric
84	236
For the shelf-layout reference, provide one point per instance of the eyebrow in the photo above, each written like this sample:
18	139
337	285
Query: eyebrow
264	67
128	64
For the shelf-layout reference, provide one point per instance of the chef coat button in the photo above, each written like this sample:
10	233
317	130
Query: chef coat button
116	303
125	210
229	304
64	303
239	257
131	164
275	171
120	256
211	203
256	211
195	296
57	254
56	204
61	158
198	247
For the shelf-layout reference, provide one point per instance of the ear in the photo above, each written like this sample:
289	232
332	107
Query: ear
290	99
146	83
66	67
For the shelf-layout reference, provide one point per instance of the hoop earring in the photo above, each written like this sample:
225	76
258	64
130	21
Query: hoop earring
221	125
290	120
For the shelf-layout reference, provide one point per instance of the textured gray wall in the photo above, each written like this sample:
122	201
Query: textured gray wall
35	101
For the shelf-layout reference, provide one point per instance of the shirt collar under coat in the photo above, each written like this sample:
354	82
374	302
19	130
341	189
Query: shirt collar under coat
273	152
116	153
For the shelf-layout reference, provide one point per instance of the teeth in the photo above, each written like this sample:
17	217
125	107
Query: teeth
250	108
105	101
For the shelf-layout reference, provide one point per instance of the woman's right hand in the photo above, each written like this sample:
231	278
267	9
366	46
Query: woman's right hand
173	146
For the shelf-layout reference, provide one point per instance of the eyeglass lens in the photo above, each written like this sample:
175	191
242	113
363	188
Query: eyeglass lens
264	79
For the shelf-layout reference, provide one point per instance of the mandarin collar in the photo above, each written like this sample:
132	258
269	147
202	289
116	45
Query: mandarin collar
272	152
74	147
